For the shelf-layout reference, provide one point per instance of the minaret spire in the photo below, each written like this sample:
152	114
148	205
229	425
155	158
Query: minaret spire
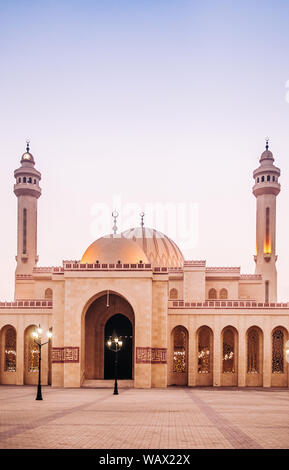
115	215
266	189
27	191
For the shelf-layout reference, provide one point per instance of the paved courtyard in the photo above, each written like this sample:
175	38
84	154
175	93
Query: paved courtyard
181	418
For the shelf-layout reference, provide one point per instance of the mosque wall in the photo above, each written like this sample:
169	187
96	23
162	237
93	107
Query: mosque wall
77	297
24	289
175	289
238	324
194	284
230	285
174	345
253	291
23	323
159	331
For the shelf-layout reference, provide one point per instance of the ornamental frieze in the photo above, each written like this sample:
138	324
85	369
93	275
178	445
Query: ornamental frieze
147	355
65	354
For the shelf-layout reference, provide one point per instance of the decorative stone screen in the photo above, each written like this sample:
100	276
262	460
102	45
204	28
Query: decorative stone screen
278	352
228	351
253	351
180	347
204	350
10	350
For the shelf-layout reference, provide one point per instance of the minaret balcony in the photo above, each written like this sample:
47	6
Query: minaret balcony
27	189
266	188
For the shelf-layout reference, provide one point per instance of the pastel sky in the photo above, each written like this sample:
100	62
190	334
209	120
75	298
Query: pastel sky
146	102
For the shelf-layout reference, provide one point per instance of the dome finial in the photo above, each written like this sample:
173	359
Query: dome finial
115	215
267	143
142	214
27	145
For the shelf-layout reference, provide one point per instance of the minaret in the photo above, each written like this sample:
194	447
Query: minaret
27	191
265	189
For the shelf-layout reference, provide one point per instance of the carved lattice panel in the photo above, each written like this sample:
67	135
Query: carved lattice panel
253	351
10	350
32	352
204	351
228	351
223	294
212	294
278	352
179	358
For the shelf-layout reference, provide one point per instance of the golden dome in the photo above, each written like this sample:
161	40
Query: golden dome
27	157
114	248
159	249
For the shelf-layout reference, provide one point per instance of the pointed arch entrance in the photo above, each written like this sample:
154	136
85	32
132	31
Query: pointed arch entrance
109	314
118	325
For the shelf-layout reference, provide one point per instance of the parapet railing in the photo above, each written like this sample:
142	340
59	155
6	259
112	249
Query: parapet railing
226	304
100	266
75	266
251	277
195	262
27	304
223	269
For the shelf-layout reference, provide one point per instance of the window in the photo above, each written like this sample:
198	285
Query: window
173	294
31	351
268	177
48	294
263	179
273	178
19	180
34	181
258	179
278	351
10	350
223	294
267	247
24	179
24	231
212	294
204	350
228	350
180	347
266	292
253	351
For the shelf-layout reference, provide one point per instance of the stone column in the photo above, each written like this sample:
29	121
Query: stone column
192	363
217	353
20	360
267	355
44	352
57	368
242	354
159	333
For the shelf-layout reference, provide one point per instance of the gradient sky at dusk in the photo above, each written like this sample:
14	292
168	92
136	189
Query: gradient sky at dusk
155	101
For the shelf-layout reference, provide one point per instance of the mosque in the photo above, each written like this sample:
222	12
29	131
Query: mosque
181	322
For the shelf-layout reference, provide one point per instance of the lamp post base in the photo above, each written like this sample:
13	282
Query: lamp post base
39	394
115	392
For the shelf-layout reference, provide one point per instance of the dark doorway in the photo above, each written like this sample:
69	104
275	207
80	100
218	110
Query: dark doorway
118	325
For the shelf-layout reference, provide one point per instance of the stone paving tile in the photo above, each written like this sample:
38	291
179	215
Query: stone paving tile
179	418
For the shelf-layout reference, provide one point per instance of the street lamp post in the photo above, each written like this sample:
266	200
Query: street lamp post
115	345
37	335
